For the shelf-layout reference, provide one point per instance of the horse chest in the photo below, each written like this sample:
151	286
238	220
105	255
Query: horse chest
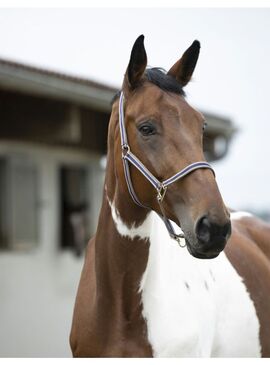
195	308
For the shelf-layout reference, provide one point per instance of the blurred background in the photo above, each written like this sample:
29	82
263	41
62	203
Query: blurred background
59	69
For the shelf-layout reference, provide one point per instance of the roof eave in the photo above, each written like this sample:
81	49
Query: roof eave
27	81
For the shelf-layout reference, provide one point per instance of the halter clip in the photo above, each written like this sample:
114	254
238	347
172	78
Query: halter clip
178	239
161	191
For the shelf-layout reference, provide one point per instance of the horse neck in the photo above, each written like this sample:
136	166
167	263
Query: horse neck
121	242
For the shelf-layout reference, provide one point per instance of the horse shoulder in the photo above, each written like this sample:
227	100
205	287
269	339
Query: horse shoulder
249	251
255	229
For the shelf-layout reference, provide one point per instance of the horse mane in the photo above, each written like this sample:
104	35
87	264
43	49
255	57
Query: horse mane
159	77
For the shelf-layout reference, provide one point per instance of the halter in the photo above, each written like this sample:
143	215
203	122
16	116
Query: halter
160	186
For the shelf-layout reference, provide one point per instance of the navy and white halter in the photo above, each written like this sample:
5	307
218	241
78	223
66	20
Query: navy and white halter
160	186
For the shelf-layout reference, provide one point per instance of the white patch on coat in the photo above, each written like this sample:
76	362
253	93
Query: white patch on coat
240	215
142	231
192	307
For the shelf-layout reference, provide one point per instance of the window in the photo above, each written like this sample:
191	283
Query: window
75	208
18	203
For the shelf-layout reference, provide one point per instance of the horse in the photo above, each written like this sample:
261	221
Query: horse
145	290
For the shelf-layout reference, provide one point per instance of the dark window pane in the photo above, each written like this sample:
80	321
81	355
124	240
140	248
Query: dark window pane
74	208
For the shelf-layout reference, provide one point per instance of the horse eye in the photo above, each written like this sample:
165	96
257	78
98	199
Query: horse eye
147	129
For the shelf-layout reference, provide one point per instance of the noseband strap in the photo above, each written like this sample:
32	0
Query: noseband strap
160	186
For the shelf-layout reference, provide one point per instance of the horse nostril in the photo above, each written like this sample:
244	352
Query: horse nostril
203	229
208	231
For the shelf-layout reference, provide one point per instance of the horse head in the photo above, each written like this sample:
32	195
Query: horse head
166	134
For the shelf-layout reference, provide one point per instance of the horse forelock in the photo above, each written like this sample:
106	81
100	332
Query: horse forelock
159	77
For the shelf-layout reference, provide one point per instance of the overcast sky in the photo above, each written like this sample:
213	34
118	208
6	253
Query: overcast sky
232	77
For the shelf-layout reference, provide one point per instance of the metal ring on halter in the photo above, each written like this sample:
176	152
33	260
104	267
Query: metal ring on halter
178	239
125	150
161	191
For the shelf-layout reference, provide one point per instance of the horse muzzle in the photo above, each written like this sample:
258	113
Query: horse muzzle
209	238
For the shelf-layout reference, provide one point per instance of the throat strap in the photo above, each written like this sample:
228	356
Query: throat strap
160	186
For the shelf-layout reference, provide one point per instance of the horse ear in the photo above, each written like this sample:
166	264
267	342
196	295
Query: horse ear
137	65
183	69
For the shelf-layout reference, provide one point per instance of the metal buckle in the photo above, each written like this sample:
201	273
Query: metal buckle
161	193
125	150
178	239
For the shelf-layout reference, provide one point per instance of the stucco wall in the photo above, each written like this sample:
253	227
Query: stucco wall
38	286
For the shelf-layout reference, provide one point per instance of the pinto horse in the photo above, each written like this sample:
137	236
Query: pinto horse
140	294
